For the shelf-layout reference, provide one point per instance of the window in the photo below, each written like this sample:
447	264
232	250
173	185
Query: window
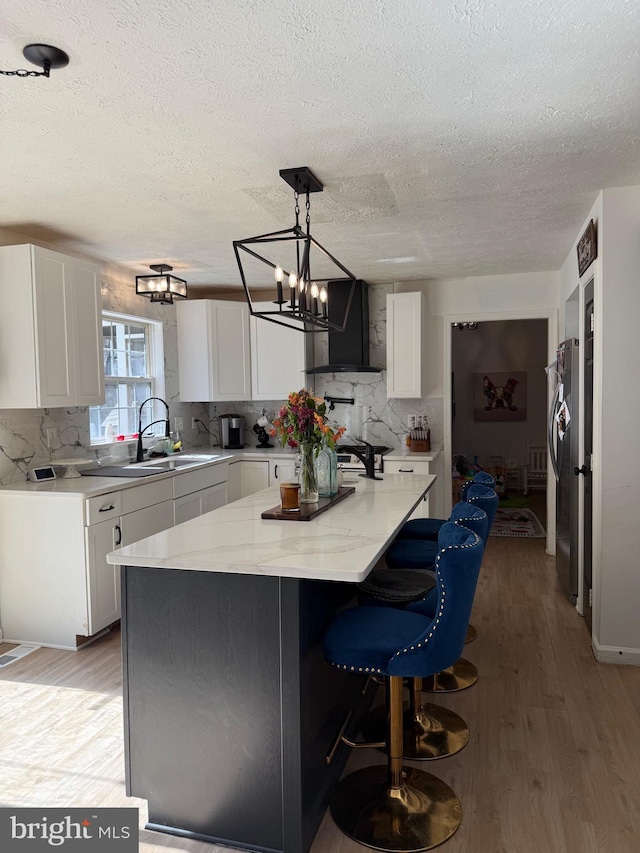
133	370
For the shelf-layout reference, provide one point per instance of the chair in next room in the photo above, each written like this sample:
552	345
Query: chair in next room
399	807
535	468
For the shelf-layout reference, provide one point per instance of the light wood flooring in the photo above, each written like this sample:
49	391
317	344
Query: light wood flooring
553	764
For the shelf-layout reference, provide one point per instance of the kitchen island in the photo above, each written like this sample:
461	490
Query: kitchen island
232	716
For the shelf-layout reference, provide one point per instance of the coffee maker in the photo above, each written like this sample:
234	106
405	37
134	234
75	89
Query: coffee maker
231	431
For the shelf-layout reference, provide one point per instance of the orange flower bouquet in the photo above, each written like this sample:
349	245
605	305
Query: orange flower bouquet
302	423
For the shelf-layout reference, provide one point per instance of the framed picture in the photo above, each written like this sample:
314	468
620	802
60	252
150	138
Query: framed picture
587	249
500	397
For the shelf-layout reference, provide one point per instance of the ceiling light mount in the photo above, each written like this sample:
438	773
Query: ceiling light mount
45	56
300	264
161	288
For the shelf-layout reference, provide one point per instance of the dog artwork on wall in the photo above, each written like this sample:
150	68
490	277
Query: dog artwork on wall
500	396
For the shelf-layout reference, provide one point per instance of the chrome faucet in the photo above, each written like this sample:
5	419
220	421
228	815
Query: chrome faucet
368	459
167	427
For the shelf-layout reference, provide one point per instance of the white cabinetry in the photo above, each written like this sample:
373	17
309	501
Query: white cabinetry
50	338
433	505
282	471
404	345
247	477
277	358
213	350
196	504
56	586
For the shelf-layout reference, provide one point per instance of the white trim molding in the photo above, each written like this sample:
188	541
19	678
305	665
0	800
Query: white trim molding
615	654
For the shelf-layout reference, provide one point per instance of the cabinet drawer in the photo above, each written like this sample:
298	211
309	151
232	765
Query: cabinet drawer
410	466
103	507
201	478
151	493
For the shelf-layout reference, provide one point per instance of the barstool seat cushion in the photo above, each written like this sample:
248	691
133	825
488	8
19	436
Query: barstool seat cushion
395	586
463	513
411	554
421	528
365	639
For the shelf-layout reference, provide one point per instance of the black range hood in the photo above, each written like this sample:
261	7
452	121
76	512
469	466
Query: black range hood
348	350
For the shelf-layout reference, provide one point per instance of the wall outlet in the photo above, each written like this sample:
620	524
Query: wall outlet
52	436
179	423
194	423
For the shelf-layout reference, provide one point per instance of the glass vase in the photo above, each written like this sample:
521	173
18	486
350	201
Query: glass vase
307	475
327	472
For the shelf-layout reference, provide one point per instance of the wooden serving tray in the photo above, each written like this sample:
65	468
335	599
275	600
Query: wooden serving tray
309	511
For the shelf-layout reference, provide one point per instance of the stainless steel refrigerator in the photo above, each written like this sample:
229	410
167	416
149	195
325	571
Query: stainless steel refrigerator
563	447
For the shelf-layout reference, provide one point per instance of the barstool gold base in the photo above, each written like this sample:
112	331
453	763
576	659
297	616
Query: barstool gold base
461	675
421	814
434	732
471	634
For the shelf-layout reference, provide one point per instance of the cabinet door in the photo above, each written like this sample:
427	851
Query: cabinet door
246	477
213	498
54	322
404	345
186	508
213	350
254	476
87	327
282	471
145	522
103	580
277	358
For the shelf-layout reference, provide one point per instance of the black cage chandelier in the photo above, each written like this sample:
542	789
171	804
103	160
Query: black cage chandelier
300	267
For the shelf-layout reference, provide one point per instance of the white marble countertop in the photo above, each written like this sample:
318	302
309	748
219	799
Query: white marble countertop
342	544
91	486
401	454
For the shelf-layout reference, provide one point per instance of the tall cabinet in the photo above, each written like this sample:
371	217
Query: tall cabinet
50	330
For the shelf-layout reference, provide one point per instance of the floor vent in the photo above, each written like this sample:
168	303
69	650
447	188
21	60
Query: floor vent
16	654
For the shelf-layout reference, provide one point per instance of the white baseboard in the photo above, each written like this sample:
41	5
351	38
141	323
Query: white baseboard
615	654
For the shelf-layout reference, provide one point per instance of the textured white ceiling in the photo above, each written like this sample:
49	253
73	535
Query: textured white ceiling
454	137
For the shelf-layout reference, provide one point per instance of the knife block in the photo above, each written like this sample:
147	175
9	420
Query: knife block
422	446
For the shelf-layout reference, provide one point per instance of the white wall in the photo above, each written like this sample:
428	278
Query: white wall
496	346
616	462
480	295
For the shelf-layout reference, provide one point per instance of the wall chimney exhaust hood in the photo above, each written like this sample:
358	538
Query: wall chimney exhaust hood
349	350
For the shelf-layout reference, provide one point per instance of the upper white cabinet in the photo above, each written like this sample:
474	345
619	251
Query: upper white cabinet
404	345
277	358
213	350
50	330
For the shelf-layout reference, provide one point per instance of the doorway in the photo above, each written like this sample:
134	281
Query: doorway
511	351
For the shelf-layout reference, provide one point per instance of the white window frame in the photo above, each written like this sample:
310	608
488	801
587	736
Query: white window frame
156	365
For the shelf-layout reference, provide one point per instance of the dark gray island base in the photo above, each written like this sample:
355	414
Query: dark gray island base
230	708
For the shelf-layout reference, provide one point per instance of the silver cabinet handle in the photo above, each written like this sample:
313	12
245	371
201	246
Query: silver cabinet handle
106	508
405	470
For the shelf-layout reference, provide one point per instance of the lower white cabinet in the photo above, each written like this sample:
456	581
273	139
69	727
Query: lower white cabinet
103	580
247	477
196	504
433	505
282	471
56	587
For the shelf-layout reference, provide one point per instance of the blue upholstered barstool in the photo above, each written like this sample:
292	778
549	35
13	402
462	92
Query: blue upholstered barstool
428	528
400	808
431	731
